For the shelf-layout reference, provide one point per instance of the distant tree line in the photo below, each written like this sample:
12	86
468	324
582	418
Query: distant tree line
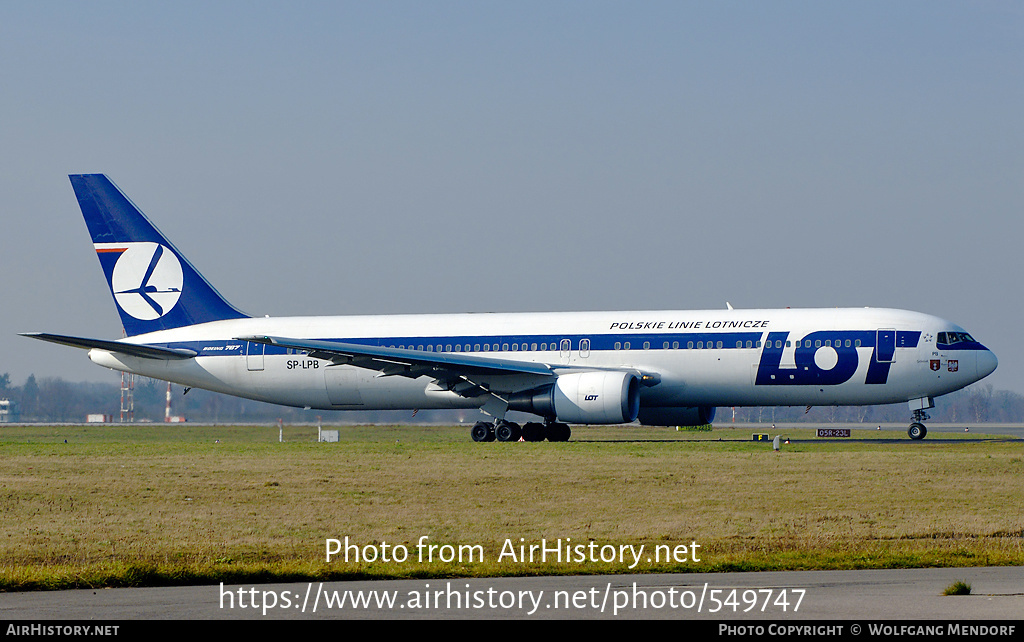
52	399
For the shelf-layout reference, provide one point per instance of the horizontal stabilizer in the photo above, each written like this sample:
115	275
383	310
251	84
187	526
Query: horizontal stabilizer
132	349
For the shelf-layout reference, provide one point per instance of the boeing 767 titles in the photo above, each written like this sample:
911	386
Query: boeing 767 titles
663	368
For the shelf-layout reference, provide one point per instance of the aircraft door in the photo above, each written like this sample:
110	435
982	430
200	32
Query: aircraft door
254	356
885	346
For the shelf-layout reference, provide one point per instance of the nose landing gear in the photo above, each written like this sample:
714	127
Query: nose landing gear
917	429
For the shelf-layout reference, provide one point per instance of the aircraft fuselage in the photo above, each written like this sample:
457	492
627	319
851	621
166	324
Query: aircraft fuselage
811	357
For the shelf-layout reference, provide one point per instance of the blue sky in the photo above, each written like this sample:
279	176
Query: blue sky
403	157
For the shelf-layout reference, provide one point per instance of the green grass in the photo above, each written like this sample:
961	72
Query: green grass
958	587
157	504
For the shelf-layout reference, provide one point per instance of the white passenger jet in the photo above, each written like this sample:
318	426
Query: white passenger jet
663	368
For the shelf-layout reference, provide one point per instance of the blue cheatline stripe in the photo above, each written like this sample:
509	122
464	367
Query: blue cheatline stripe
551	342
728	341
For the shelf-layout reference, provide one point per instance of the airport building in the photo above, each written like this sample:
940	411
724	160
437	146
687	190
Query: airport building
8	411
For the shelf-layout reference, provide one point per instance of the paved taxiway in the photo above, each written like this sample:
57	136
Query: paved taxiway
865	596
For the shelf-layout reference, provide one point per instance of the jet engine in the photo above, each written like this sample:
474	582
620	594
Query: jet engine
585	398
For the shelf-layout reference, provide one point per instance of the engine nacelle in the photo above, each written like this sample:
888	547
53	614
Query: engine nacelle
585	398
677	416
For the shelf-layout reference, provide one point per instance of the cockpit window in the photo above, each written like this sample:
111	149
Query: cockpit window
954	337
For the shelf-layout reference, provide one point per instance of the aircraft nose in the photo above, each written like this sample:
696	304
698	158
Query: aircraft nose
987	363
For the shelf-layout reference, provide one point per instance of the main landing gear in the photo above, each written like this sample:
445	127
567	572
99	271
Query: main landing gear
510	431
917	429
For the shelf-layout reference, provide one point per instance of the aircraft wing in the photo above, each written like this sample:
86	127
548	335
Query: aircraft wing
407	363
132	349
491	378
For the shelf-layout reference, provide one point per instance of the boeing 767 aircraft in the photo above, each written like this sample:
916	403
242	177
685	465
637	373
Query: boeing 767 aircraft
660	367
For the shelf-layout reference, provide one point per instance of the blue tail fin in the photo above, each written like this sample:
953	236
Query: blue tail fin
154	286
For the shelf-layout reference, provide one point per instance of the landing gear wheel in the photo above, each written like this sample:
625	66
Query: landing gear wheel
482	431
507	431
559	432
917	431
534	431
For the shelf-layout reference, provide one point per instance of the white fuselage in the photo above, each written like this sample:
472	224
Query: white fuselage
851	356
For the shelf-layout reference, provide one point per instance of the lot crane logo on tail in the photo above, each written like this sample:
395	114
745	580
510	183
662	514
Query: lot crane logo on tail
146	280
